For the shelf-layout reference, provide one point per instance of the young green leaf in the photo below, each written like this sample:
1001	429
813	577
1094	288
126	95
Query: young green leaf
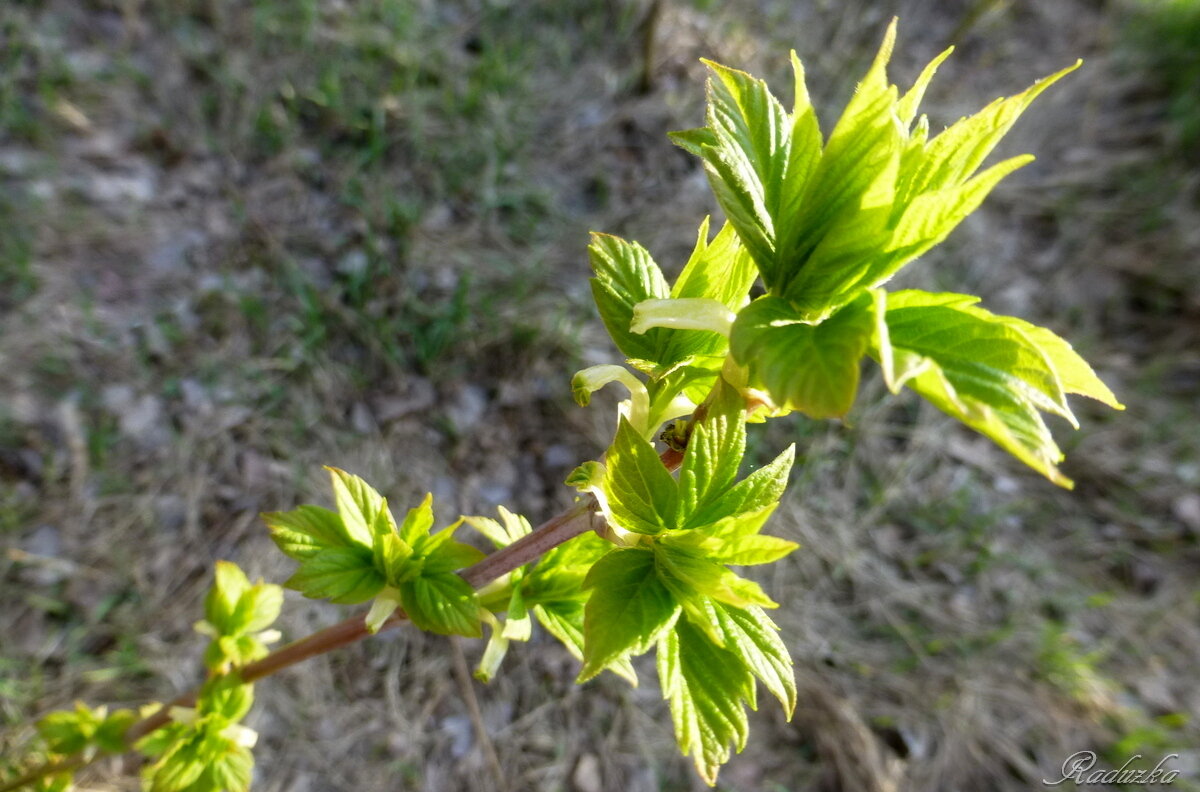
110	734
825	224
706	688
979	368
226	696
628	609
686	570
237	617
754	638
418	522
640	494
306	530
564	620
720	273
70	731
805	367
714	451
257	608
342	575
509	529
1074	374
384	605
625	275
358	504
221	602
391	556
442	603
760	490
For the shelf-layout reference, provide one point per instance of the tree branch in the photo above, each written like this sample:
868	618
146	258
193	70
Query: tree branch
562	527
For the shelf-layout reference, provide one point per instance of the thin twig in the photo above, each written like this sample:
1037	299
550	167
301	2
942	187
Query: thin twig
467	688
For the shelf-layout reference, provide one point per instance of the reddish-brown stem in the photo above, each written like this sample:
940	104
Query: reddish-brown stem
550	534
558	529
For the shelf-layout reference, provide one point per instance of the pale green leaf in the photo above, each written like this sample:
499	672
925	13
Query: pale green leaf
684	570
1074	374
69	731
748	159
975	343
628	609
442	603
180	766
304	531
805	367
110	735
693	141
906	108
564	620
706	688
504	532
625	275
257	608
226	696
518	624
738	524
383	606
753	637
719	270
714	452
955	154
342	575
641	495
982	370
221	603
418	522
752	550
392	558
587	477
760	490
233	770
357	503
442	554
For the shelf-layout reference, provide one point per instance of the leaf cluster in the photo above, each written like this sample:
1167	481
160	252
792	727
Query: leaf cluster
828	221
675	336
204	749
359	552
671	587
237	616
549	591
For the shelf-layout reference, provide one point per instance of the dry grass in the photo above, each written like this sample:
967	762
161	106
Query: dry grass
227	291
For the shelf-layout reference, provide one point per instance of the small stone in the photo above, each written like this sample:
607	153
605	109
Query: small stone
468	408
461	735
354	262
418	394
438	218
361	419
144	422
195	396
558	455
121	188
586	777
170	512
45	545
117	399
1187	509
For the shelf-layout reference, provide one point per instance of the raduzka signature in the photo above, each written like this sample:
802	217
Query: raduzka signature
1080	767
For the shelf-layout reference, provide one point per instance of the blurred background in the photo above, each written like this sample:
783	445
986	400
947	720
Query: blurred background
239	240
